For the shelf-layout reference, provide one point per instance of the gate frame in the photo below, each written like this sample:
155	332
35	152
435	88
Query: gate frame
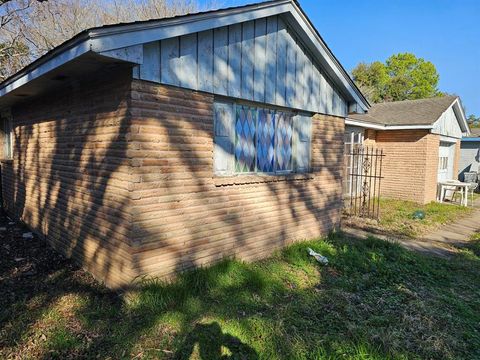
366	168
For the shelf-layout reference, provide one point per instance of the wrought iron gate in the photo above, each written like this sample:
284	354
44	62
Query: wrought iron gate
363	175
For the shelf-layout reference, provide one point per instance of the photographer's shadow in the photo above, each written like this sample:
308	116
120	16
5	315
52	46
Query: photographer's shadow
210	340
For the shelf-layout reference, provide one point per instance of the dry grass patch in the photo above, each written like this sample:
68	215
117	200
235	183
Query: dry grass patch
396	218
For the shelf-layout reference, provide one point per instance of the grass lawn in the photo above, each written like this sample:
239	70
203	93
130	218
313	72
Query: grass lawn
375	300
396	217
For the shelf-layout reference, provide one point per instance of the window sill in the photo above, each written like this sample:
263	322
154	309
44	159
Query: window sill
257	179
6	161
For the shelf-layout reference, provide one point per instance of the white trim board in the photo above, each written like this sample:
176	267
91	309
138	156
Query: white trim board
448	139
386	127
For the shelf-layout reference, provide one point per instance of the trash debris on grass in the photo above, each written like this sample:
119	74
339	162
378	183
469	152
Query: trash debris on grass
320	258
418	215
27	235
3	228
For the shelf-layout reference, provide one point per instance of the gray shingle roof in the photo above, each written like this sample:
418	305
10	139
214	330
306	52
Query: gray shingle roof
474	132
408	112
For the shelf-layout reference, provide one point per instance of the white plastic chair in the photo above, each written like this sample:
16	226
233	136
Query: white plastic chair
470	189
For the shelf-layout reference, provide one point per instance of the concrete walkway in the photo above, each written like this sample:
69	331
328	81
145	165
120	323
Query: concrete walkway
442	242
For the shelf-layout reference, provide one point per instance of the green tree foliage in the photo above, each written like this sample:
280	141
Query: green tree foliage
402	77
473	121
372	79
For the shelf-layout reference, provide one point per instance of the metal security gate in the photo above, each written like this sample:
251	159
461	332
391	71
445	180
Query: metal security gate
363	172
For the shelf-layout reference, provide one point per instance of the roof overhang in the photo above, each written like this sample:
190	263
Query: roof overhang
105	39
374	126
72	70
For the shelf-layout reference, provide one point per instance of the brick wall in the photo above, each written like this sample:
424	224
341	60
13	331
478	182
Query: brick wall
185	216
119	175
70	177
410	164
456	164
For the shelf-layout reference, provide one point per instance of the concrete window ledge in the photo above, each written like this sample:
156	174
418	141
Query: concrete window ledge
256	179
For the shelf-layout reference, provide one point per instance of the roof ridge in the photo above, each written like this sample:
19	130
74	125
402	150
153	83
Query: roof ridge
453	97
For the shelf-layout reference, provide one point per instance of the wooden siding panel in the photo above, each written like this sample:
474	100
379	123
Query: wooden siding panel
150	69
323	94
170	62
315	97
188	61
271	65
291	72
248	59
205	61
282	38
220	61
234	60
329	98
447	125
308	94
300	77
259	60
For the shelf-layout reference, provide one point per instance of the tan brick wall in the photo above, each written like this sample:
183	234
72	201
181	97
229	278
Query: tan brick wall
184	216
70	177
119	175
457	159
432	142
410	163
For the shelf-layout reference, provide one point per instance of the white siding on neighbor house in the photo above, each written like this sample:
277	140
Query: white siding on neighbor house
469	157
260	60
447	125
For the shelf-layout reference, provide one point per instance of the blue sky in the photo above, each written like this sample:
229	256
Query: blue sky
445	32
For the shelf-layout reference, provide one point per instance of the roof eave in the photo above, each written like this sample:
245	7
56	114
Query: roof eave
374	126
463	118
72	48
112	37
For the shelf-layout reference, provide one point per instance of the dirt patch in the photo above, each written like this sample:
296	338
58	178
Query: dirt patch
38	286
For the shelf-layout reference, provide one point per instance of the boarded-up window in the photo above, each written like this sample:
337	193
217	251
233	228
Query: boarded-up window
260	140
6	136
302	140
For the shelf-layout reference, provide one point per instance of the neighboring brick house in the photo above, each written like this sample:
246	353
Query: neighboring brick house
421	142
152	147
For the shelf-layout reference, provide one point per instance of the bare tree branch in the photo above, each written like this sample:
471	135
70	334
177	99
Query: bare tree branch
30	28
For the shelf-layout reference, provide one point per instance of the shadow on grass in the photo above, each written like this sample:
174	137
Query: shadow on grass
375	300
213	344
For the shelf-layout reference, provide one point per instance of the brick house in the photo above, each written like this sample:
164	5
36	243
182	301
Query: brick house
156	146
421	141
